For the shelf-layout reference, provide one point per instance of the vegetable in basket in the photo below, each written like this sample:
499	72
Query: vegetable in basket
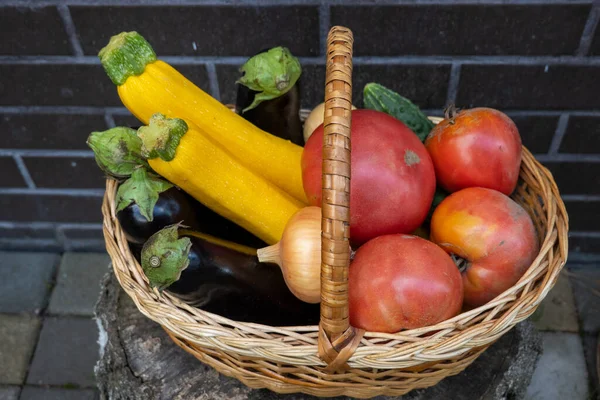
146	203
185	157
493	233
299	254
400	282
222	277
269	93
489	138
378	97
147	86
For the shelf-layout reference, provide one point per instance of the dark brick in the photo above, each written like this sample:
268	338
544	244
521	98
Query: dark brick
27	233
463	30
424	85
10	176
220	31
576	177
529	87
19	208
536	131
55	85
57	208
83	233
584	244
312	84
582	136
595	48
583	215
127	120
48	131
33	31
62	172
50	393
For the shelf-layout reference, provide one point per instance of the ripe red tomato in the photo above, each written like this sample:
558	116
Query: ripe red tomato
493	233
402	282
478	147
393	180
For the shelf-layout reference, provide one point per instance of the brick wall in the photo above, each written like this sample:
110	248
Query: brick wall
538	61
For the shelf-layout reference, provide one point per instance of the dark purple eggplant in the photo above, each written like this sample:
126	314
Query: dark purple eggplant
269	93
147	203
223	278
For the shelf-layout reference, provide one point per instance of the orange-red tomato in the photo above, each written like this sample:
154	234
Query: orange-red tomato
493	233
402	282
480	147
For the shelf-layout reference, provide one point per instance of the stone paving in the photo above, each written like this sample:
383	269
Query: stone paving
49	340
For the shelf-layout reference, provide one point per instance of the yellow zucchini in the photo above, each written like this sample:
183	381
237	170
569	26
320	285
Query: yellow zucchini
147	86
187	158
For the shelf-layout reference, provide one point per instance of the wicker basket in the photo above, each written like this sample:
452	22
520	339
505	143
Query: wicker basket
335	359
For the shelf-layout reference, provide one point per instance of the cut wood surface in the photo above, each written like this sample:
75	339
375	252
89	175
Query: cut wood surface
139	361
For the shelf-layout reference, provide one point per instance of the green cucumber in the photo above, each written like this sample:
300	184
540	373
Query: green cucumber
379	98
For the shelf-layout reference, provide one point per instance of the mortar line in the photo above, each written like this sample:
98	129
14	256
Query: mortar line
269	3
24	171
83	110
453	83
110	121
324	27
559	133
580	197
588	31
53	192
585	234
49	225
213	80
47	153
69	25
519	60
568	157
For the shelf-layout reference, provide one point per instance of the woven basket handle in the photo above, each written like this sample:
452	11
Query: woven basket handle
337	339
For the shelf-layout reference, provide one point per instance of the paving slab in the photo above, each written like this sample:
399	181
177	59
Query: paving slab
585	281
66	353
78	283
561	371
557	312
18	335
25	280
592	353
42	393
9	392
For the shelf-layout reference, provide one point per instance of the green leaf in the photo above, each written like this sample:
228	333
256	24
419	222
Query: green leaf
272	74
164	256
142	189
161	137
118	151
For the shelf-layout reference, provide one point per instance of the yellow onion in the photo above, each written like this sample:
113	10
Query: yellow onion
298	254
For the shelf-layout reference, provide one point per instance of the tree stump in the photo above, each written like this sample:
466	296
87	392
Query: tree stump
138	361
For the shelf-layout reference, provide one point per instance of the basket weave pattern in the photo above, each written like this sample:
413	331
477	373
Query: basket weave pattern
296	359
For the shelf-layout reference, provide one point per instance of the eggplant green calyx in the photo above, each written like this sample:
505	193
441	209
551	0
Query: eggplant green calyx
125	55
142	189
118	151
161	137
164	256
272	74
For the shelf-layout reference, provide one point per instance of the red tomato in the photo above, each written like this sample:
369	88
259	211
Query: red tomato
402	282
393	180
478	147
493	233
